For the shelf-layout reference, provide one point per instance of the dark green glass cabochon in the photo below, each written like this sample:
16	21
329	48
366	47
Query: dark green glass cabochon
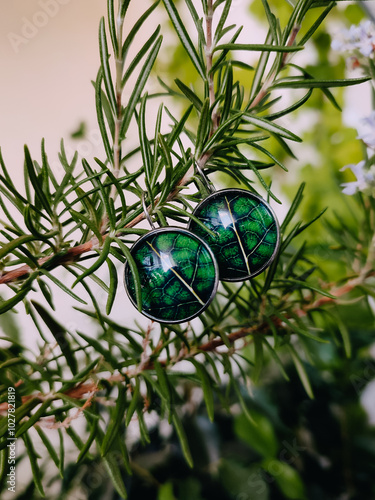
178	274
247	232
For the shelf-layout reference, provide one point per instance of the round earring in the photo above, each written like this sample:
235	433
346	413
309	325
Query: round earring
247	231
178	273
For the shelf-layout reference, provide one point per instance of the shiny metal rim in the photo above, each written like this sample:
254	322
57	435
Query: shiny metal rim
188	233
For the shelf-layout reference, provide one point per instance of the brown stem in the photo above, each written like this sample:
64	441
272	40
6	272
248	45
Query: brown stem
292	39
264	327
269	80
74	253
71	255
83	388
232	337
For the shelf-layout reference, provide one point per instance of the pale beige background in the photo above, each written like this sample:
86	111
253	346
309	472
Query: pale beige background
45	82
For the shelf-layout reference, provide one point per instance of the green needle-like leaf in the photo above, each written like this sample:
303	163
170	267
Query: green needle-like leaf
188	45
104	58
133	403
134	270
264	124
257	47
271	21
137	59
139	86
91	438
49	446
113	430
112	25
124	7
203	128
16	243
145	144
167	184
206	386
60	334
112	466
6	305
258	355
302	83
61	285
36	183
99	347
163	381
183	439
190	94
137	27
293	207
222	20
98	263
33	457
113	282
100	115
301	371
25	426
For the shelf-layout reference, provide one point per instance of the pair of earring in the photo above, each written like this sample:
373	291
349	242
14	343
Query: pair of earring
180	269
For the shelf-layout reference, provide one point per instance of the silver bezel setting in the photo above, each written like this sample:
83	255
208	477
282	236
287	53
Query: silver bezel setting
188	233
261	200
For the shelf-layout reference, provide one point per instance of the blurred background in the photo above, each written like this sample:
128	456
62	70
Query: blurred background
297	448
49	56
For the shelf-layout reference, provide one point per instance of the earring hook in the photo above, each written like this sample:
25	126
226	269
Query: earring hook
206	181
146	212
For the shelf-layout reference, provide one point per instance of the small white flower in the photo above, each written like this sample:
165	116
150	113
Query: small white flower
357	38
366	38
365	182
339	44
366	130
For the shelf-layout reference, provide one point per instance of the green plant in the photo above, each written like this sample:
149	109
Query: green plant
85	223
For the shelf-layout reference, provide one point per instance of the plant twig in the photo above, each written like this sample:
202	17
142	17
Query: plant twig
119	89
210	76
90	387
119	67
271	77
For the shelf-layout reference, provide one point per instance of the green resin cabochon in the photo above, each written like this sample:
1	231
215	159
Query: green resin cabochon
247	232
178	274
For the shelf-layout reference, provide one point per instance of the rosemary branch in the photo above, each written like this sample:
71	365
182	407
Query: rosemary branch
88	387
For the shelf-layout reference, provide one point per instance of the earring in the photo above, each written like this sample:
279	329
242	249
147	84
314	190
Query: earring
177	270
247	231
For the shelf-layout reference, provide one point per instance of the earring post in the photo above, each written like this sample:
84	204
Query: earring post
207	182
146	212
